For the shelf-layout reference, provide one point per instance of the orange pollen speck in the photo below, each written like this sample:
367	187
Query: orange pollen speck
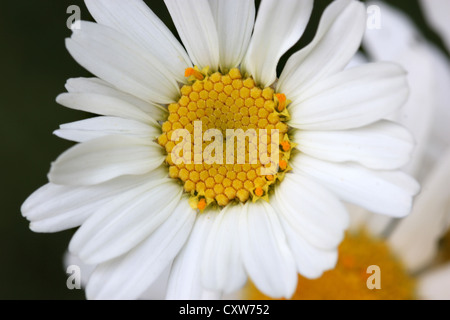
283	165
286	146
192	72
259	192
201	204
281	101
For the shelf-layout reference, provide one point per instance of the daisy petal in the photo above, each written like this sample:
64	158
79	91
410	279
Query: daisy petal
382	145
378	225
85	269
416	238
124	222
103	105
89	129
135	19
433	285
436	14
116	59
351	99
105	158
157	290
266	255
99	87
400	41
311	210
311	261
384	192
234	21
397	36
196	27
338	38
127	277
53	208
185	277
222	266
279	25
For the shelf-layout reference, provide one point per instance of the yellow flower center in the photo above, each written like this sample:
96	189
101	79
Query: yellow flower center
214	111
366	270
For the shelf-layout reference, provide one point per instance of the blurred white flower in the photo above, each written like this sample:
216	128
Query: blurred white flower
415	239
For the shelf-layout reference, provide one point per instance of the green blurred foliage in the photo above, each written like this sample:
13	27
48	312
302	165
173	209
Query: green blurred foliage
35	66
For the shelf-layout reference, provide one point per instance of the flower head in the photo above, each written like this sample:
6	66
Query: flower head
213	211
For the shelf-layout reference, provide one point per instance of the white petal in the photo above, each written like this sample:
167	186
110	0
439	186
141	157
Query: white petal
375	224
351	99
89	129
222	267
416	238
157	290
436	12
266	255
429	79
105	158
397	35
123	223
53	208
311	261
384	192
116	59
399	41
434	284
134	19
378	225
382	145
196	27
338	38
311	210
128	276
104	105
185	277
234	20
432	124
99	87
358	59
278	26
358	217
85	269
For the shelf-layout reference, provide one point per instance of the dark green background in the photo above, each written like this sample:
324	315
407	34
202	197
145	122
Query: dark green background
34	68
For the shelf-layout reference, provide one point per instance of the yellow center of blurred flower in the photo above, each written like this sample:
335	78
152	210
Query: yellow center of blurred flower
364	264
226	138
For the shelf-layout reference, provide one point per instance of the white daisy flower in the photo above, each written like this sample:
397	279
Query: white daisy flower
140	211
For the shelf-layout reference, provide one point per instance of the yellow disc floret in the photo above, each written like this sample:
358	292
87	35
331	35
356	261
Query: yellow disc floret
225	102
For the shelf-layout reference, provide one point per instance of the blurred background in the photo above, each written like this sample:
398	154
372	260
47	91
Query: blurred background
35	66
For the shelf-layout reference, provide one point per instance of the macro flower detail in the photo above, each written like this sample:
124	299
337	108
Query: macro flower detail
141	211
227	108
